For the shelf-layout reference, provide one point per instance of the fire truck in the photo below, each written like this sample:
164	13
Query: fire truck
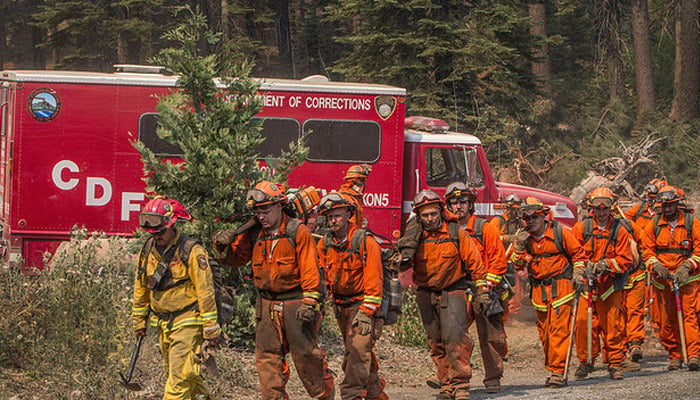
66	157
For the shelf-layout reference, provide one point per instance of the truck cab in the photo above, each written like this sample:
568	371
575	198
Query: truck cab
434	157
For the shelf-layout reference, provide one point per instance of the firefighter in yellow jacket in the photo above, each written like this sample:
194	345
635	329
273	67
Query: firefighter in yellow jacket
179	296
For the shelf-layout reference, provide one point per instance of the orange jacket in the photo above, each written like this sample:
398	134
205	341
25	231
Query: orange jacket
278	267
491	251
439	261
553	262
644	219
618	255
654	248
354	275
352	192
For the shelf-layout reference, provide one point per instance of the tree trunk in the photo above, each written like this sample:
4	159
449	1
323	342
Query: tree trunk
541	64
613	55
685	81
284	47
4	12
642	58
225	27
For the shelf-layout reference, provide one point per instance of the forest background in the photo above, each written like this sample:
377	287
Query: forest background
555	89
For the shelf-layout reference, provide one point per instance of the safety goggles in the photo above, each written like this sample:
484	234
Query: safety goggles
426	196
651	189
601	202
257	198
332	200
529	210
149	220
668	196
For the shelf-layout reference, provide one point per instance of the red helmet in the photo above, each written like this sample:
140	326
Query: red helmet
161	213
426	197
265	193
334	200
601	197
534	206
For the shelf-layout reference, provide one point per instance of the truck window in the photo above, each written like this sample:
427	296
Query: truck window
444	165
147	135
340	140
278	133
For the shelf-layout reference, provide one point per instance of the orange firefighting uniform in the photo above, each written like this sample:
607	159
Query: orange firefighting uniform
355	282
638	292
354	192
491	331
634	307
671	248
507	227
607	300
441	272
285	277
185	315
552	291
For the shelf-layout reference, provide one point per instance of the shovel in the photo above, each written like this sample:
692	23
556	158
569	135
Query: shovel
126	380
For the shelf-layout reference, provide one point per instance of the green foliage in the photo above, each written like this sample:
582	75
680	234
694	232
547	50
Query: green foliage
408	330
70	323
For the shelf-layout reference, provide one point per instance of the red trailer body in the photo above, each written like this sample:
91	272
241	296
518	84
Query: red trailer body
66	157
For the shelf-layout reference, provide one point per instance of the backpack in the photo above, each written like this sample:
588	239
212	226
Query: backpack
224	295
612	237
689	220
640	211
479	229
391	286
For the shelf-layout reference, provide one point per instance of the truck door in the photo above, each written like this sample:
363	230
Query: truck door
445	164
5	97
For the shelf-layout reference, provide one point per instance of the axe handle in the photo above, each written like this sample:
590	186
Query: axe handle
571	339
679	316
134	357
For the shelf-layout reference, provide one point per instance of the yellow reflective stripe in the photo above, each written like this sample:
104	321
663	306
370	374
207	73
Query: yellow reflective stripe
694	278
163	324
616	265
579	264
313	295
607	293
539	307
140	311
494	278
563	300
651	259
373	299
639	277
658	285
209	316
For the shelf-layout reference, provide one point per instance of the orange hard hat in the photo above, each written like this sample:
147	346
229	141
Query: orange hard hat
426	197
334	200
670	194
459	189
654	185
601	197
265	193
534	206
358	171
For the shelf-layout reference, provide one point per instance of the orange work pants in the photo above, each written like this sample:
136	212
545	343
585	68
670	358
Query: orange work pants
554	329
444	316
359	363
670	331
279	332
635	311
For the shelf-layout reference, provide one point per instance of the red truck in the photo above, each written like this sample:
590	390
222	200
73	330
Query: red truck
66	157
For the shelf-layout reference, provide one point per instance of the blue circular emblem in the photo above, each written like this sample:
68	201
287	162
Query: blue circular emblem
44	104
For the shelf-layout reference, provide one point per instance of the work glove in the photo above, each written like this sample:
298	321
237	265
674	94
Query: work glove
208	360
579	280
598	268
363	322
519	245
222	240
661	271
140	332
306	313
682	274
483	301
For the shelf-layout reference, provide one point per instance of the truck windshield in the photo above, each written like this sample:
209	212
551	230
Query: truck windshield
444	165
